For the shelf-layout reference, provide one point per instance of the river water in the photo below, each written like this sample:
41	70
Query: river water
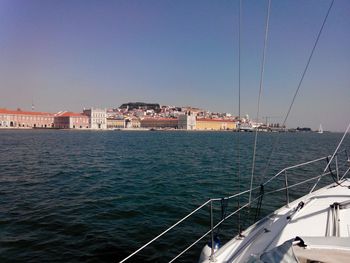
69	196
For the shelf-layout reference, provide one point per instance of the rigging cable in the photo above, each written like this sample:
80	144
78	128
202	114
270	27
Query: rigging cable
297	90
260	199
239	118
259	98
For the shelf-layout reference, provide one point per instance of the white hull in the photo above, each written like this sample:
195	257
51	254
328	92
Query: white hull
325	231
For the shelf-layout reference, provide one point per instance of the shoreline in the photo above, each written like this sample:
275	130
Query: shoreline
143	130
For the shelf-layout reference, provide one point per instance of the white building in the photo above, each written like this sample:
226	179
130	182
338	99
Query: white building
187	121
97	118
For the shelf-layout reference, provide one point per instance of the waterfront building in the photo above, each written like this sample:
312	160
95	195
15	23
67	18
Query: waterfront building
187	121
215	124
25	119
97	118
159	123
115	123
71	120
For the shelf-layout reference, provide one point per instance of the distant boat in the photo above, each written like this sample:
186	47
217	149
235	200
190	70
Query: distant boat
247	127
320	130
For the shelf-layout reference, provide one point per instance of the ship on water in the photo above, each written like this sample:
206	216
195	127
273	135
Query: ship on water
320	130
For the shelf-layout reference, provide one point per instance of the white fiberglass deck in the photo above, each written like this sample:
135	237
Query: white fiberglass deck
315	218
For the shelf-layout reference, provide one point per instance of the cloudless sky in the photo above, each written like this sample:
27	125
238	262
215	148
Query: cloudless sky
67	55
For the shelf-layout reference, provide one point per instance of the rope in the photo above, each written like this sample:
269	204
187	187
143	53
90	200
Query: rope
332	174
297	90
259	204
260	92
224	204
329	168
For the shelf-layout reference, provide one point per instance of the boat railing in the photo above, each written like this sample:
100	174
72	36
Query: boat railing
282	173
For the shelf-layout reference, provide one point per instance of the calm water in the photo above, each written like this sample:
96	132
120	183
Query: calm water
70	196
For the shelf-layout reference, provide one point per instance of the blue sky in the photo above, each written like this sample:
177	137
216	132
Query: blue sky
66	55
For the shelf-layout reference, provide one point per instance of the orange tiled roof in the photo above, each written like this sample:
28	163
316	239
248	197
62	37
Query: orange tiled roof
70	114
20	112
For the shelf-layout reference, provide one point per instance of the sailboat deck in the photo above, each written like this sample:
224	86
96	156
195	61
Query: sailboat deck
322	255
315	218
313	215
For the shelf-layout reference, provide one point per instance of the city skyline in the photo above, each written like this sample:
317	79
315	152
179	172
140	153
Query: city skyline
149	112
65	55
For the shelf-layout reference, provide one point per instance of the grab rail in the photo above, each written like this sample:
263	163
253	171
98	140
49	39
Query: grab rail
211	200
